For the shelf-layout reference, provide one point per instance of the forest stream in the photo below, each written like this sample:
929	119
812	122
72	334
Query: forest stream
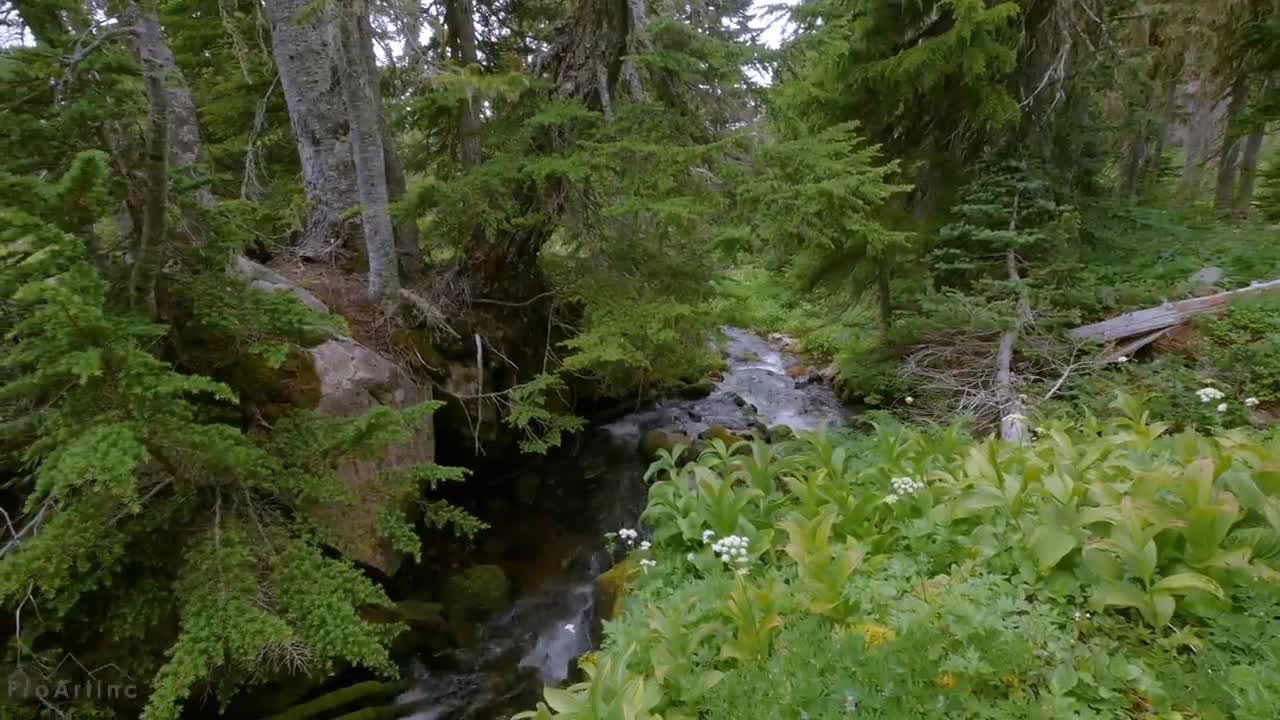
537	639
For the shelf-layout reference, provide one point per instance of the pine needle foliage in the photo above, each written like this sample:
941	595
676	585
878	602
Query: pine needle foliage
136	475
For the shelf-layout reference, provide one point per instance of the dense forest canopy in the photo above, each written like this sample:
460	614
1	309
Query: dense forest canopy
280	279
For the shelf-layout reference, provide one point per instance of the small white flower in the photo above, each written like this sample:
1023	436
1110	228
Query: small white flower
1078	616
1122	359
1222	407
707	535
644	545
1251	402
689	557
1209	394
648	563
909	400
571	628
724	558
891	498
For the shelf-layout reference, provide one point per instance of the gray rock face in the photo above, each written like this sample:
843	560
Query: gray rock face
353	380
342	378
264	278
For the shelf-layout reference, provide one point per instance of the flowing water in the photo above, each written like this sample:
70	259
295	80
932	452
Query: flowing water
538	639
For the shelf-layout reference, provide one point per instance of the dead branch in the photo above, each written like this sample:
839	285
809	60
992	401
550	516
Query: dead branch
1166	315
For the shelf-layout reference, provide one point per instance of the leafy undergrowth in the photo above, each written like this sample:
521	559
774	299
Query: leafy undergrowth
1106	570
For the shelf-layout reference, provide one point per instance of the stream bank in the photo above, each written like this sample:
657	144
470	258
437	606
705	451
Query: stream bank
523	604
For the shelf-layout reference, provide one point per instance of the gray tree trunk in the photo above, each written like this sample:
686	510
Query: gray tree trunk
157	61
1248	173
301	38
150	248
1198	132
1155	159
460	18
1224	194
359	82
409	254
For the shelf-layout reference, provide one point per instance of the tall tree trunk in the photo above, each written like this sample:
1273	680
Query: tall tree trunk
409	254
1134	162
301	38
359	82
150	249
1231	139
1248	173
408	251
1197	142
460	18
884	295
1156	163
184	129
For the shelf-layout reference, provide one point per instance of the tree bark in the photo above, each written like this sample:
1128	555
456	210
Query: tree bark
150	248
1231	140
301	38
1203	102
184	129
1013	423
884	296
408	252
359	83
1166	315
1155	163
460	18
1248	173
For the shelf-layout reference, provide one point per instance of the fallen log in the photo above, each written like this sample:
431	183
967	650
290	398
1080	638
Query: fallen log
1167	315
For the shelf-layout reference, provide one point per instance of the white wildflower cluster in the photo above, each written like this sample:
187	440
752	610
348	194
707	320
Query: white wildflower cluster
903	486
628	535
1251	402
646	563
906	485
1222	407
1209	394
731	549
645	545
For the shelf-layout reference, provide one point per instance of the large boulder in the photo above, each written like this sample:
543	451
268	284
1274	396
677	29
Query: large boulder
342	378
348	380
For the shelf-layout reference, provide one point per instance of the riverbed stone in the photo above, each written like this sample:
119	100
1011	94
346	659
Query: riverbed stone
477	592
721	433
697	390
654	440
781	433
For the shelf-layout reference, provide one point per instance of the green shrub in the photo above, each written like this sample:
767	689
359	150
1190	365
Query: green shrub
1103	570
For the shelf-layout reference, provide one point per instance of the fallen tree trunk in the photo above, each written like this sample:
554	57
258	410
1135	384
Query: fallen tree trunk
1167	315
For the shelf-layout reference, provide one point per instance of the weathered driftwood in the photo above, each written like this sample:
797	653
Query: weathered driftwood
1167	315
1129	348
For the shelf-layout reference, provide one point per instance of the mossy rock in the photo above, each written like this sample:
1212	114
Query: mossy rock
330	702
721	433
611	589
781	433
476	592
697	390
655	440
417	344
